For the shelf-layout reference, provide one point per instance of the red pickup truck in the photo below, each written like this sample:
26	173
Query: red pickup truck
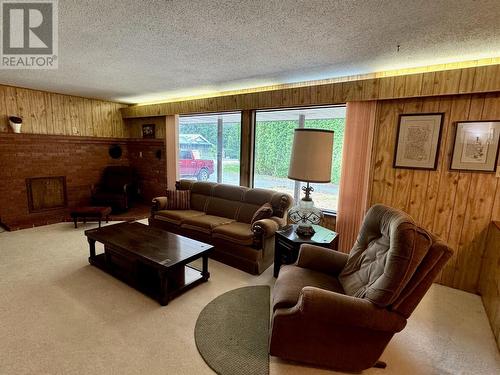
191	165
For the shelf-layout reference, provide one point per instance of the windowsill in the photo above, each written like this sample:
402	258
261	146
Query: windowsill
329	213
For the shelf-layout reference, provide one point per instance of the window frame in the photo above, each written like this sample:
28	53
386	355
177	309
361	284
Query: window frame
240	112
326	211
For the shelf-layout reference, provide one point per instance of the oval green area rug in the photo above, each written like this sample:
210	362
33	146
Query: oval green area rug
232	331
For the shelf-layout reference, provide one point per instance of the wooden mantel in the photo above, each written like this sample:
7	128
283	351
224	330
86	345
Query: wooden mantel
481	79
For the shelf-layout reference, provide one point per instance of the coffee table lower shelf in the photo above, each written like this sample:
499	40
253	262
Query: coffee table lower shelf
161	285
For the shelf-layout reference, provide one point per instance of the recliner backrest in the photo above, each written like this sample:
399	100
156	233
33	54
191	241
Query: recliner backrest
387	252
115	177
422	279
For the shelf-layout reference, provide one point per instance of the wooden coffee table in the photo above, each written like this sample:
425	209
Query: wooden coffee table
150	259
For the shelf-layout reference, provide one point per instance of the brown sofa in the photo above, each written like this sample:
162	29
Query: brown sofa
341	310
221	215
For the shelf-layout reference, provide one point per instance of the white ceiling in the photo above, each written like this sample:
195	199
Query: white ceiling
141	51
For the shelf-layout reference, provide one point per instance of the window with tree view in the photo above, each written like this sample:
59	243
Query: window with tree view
209	147
273	144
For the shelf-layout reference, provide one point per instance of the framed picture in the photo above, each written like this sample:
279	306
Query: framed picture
417	140
476	146
148	131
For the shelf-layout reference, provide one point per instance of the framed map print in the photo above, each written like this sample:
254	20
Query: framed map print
476	146
417	140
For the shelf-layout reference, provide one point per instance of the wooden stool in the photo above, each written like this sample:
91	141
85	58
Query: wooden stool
98	213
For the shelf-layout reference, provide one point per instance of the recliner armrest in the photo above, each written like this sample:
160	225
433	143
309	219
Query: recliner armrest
158	203
127	187
340	309
320	259
94	188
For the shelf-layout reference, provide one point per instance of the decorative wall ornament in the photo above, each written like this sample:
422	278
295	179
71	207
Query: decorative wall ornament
115	151
15	123
476	146
417	141
148	131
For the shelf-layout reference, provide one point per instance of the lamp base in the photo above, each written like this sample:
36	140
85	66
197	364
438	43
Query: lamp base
305	230
304	215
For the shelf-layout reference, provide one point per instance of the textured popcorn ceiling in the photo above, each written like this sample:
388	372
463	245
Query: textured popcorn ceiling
139	51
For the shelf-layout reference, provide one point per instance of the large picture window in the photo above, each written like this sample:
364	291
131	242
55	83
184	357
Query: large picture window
273	144
209	147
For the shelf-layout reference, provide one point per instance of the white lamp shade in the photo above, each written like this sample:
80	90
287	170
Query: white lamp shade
311	159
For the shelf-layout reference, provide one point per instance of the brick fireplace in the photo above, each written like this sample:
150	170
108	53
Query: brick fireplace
80	160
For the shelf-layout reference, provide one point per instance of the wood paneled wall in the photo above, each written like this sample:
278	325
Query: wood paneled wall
489	283
330	222
456	206
134	126
49	113
448	82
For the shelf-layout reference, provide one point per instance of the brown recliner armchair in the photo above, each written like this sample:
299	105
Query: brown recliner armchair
341	310
117	188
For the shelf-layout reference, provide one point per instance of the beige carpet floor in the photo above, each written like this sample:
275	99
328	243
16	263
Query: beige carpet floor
59	315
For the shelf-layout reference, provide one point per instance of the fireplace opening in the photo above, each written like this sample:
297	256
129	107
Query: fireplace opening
46	193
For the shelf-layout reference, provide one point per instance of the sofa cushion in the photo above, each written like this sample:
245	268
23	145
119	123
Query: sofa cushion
292	279
178	199
200	194
246	212
258	196
199	201
264	212
204	223
240	233
185	184
203	187
176	216
222	207
281	202
386	254
230	192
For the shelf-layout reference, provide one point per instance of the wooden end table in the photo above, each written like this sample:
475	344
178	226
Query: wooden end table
287	244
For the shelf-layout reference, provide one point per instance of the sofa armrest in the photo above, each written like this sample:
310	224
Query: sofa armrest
339	309
158	203
263	229
321	259
281	221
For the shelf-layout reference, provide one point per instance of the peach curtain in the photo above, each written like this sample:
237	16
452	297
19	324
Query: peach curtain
355	176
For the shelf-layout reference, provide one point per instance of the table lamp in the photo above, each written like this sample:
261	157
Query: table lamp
311	161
